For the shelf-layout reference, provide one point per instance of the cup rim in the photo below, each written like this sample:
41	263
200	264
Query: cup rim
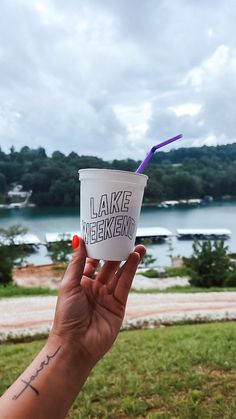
125	172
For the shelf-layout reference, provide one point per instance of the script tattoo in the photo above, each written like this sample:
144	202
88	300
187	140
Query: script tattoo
28	384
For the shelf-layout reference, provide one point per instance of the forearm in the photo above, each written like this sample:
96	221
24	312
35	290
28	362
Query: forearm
48	387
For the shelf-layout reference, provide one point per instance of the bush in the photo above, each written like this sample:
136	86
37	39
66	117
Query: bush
230	281
147	260
209	264
10	254
60	251
5	267
151	273
180	271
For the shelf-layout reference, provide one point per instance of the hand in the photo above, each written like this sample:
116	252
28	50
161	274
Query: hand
90	306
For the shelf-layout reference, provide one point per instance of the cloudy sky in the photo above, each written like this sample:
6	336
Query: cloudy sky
113	77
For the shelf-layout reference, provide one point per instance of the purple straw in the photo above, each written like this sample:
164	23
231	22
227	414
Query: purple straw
152	151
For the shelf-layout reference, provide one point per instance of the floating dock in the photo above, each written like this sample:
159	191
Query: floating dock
203	233
22	239
57	237
155	234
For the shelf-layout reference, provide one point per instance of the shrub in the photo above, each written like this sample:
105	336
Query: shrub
230	281
151	273
147	260
5	267
10	254
180	271
209	264
60	251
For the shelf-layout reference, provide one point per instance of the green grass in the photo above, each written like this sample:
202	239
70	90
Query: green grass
187	289
179	372
182	271
13	290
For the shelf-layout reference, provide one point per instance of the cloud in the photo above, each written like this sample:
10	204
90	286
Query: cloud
110	78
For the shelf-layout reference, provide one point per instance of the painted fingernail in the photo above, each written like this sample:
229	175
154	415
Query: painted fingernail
75	242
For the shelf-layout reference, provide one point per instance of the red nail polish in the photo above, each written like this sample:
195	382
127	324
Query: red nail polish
75	242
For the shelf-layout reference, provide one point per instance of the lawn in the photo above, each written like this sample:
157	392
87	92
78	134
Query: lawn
186	289
13	290
177	372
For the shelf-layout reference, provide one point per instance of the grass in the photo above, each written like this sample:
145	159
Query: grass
187	289
179	372
182	271
13	290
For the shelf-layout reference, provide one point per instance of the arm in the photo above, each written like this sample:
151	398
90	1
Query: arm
88	317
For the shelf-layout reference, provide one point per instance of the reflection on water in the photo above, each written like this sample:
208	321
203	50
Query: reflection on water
42	220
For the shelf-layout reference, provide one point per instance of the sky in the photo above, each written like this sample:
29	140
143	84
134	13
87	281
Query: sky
112	78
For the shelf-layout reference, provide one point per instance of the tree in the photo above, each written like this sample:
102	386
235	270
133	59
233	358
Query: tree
179	174
10	253
147	260
61	250
5	266
3	183
210	264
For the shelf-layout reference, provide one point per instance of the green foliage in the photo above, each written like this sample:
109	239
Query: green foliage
10	254
183	271
147	260
178	174
12	290
230	281
180	271
60	251
5	266
3	183
209	264
181	372
150	273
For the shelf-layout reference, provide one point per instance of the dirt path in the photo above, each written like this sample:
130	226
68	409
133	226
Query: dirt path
31	315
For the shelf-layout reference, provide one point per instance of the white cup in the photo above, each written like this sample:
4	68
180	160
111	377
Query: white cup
110	204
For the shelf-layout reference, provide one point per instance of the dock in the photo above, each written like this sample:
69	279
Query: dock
152	234
57	237
194	202
28	239
155	234
203	234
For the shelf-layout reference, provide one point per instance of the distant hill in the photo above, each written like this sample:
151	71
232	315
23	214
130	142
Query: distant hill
178	174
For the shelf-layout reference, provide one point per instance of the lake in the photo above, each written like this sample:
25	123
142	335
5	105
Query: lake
42	220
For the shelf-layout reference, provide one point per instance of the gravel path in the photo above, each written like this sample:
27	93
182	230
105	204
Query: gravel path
28	316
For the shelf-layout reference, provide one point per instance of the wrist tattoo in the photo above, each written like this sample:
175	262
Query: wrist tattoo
28	384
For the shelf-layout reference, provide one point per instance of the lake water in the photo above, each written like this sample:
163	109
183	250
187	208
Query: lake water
42	220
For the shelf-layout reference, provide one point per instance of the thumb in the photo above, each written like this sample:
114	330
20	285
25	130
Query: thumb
75	269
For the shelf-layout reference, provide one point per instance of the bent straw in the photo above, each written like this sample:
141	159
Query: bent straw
152	151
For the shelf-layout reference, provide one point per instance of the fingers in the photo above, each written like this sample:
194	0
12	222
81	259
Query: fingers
108	271
90	267
76	266
125	277
141	250
108	275
114	280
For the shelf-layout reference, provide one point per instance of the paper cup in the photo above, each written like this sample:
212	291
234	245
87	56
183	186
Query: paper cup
110	204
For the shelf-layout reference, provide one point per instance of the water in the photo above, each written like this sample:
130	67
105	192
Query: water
42	220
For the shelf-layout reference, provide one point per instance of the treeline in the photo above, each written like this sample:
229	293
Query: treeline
179	174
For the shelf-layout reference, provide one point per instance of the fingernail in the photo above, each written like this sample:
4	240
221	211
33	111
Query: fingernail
75	242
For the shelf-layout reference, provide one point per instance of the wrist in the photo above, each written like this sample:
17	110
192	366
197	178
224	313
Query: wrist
72	360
